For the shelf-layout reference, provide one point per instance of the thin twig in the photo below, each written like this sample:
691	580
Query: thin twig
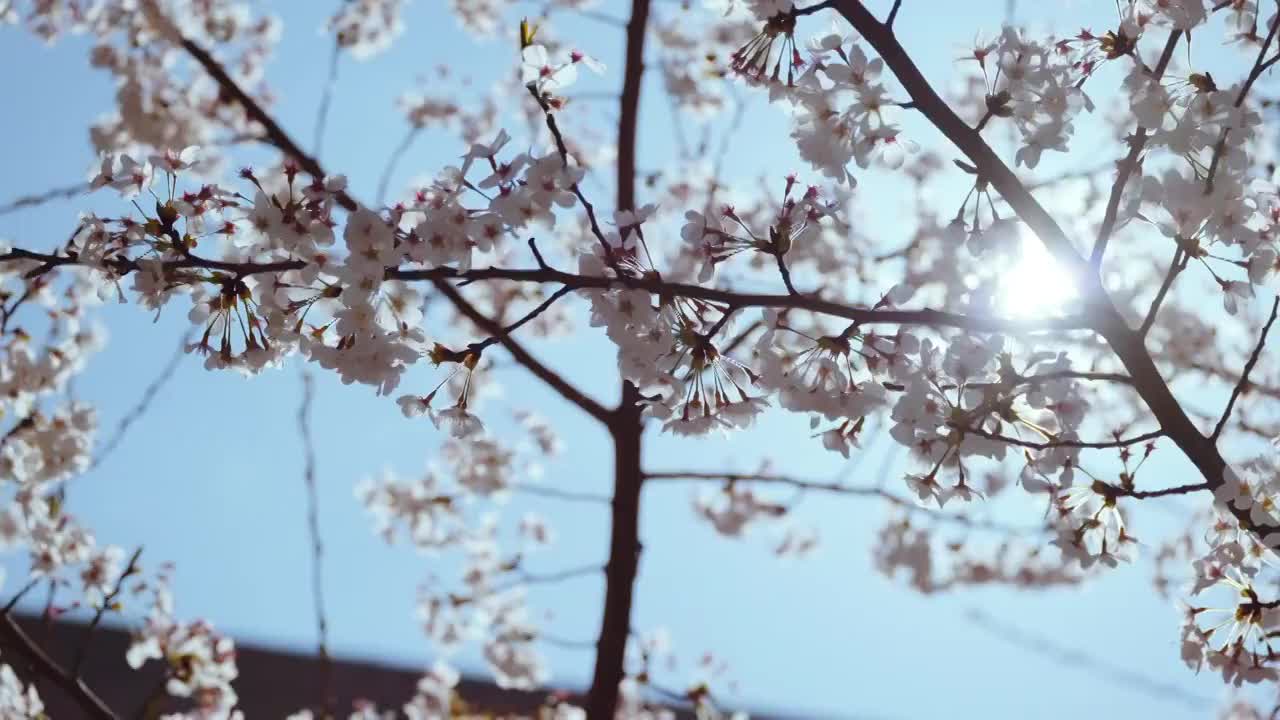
13	602
1130	163
557	493
1097	445
76	689
322	114
1176	266
1111	672
317	542
144	403
522	356
108	603
1248	368
1259	66
837	488
392	161
1177	490
893	14
60	193
541	308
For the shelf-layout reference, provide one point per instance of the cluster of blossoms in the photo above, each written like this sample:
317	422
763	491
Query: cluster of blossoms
18	699
138	45
200	663
437	517
844	113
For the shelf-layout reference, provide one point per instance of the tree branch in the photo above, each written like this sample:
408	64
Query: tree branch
541	308
278	137
1176	266
625	426
75	688
1099	445
522	356
60	193
1127	344
1259	66
316	541
107	602
811	303
1130	163
1248	368
836	488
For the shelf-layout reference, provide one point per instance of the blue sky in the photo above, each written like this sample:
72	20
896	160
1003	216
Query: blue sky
211	477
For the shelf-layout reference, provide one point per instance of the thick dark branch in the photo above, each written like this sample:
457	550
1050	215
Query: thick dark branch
1131	162
625	426
624	555
731	298
1248	368
122	265
811	303
275	135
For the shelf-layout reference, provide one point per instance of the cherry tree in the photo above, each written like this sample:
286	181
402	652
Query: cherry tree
722	300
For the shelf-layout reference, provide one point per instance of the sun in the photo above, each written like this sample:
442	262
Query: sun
1035	285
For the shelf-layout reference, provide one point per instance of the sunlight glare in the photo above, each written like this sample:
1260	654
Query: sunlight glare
1035	285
